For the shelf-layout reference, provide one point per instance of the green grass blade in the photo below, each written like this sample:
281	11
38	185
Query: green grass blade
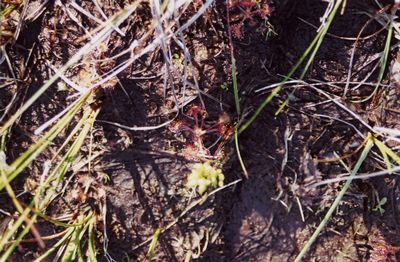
383	62
91	245
385	156
239	154
24	213
56	179
235	86
153	244
74	131
58	174
339	197
260	108
56	246
237	106
314	46
71	250
26	158
386	152
14	228
25	231
6	11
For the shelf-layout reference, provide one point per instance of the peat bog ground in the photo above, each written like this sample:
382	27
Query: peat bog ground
95	165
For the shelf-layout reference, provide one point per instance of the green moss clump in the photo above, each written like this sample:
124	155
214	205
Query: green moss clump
204	175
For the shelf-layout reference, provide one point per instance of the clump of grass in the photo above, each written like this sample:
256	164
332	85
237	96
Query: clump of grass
80	231
69	246
46	191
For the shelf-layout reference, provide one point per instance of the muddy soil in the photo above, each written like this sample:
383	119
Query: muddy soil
270	215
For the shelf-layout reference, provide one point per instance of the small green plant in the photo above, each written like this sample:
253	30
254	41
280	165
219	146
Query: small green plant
203	176
380	204
224	86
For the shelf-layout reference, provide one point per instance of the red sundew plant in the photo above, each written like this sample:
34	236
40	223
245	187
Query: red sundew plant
237	30
244	10
383	253
197	130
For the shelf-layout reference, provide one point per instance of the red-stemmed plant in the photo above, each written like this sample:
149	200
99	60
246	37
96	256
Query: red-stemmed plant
197	129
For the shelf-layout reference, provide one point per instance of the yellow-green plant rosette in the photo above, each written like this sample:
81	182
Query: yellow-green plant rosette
204	175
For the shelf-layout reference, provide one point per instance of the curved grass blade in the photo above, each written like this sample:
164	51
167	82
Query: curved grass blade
383	61
153	244
73	251
56	246
91	245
